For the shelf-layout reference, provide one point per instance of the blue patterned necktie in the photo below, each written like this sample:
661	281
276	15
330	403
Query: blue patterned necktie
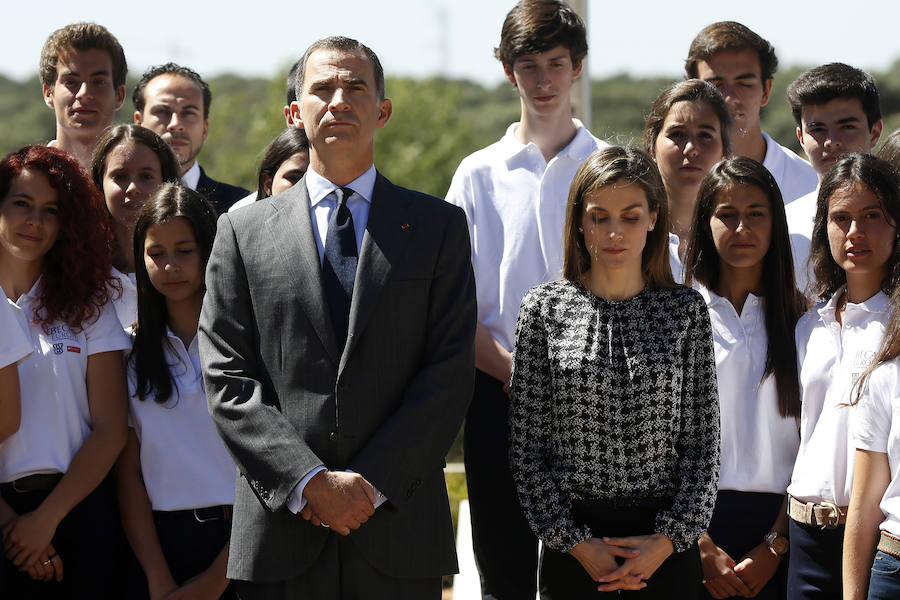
339	265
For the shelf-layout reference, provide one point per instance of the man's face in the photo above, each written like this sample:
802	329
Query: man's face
738	77
83	96
173	108
339	107
828	131
544	80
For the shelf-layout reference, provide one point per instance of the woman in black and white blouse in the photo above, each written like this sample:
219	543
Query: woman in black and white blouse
614	416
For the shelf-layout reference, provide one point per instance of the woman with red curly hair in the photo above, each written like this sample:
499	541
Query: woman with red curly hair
57	511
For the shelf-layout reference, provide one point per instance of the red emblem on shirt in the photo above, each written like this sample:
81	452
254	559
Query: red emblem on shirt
74	349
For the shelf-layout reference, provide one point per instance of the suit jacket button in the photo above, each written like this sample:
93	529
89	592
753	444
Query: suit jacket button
332	436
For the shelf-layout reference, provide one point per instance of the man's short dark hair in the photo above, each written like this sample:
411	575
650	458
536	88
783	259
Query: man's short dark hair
345	44
824	83
292	82
730	35
535	26
81	37
170	69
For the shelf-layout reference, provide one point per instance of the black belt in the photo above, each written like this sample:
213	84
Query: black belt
200	515
40	482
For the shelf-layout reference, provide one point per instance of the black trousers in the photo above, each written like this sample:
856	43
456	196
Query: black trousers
815	569
89	540
741	521
189	546
341	573
563	577
505	547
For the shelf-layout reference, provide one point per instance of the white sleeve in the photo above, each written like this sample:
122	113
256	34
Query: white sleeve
104	333
872	418
14	344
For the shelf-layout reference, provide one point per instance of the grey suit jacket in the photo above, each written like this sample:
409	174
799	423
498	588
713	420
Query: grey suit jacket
286	399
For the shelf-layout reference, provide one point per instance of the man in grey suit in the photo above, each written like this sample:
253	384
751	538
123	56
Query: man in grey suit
337	339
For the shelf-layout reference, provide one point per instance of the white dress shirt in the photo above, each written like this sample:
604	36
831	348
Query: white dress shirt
831	359
801	214
245	201
323	201
56	418
758	444
675	262
14	345
515	205
126	304
192	177
877	428
795	176
183	460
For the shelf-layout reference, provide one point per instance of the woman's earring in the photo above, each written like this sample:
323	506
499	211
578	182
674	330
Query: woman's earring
650	228
580	230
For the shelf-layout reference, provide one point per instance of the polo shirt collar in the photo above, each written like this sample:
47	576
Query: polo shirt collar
319	188
581	146
877	304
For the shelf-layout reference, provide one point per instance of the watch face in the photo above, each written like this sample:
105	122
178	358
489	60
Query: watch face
777	543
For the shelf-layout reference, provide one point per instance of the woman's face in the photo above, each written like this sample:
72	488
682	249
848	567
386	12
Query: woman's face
615	223
29	218
741	225
132	173
688	145
173	261
289	172
860	235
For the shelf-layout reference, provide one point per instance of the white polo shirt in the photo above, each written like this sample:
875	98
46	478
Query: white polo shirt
56	418
801	214
795	176
183	460
758	444
14	345
831	359
876	428
515	204
126	304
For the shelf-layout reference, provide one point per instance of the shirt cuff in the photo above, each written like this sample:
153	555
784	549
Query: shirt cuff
297	501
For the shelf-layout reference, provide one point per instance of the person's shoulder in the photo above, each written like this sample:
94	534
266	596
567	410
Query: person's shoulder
225	191
551	293
801	211
421	202
485	159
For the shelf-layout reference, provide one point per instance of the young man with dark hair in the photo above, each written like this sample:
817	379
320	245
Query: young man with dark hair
82	73
741	65
837	111
514	194
174	102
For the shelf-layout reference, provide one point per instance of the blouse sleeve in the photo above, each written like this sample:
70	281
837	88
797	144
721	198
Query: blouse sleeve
872	422
547	508
698	438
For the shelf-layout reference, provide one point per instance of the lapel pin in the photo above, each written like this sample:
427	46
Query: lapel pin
404	226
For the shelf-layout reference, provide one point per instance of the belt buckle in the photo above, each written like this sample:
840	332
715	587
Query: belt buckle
831	521
200	519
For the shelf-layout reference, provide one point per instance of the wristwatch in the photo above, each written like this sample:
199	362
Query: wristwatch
777	543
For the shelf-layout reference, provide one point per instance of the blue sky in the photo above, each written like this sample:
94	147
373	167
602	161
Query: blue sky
444	37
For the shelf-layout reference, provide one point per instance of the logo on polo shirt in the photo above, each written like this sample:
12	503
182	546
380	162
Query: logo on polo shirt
61	332
58	348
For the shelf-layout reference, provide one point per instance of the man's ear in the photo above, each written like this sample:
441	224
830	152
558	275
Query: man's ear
138	117
510	76
384	112
120	96
48	95
576	69
875	133
295	114
767	91
800	137
205	128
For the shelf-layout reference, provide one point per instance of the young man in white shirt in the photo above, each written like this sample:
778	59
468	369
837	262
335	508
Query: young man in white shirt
837	111
514	195
82	73
741	65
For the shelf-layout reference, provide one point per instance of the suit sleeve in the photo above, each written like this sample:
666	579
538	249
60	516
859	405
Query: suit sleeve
266	447
416	437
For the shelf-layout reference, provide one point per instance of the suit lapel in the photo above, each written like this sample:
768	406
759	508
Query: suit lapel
383	243
289	223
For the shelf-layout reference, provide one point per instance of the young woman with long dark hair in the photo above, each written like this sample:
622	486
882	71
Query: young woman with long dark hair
739	255
175	478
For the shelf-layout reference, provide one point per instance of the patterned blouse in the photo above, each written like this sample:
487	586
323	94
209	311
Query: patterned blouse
614	400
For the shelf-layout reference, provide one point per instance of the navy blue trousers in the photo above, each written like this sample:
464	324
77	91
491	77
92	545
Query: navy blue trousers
814	572
506	550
